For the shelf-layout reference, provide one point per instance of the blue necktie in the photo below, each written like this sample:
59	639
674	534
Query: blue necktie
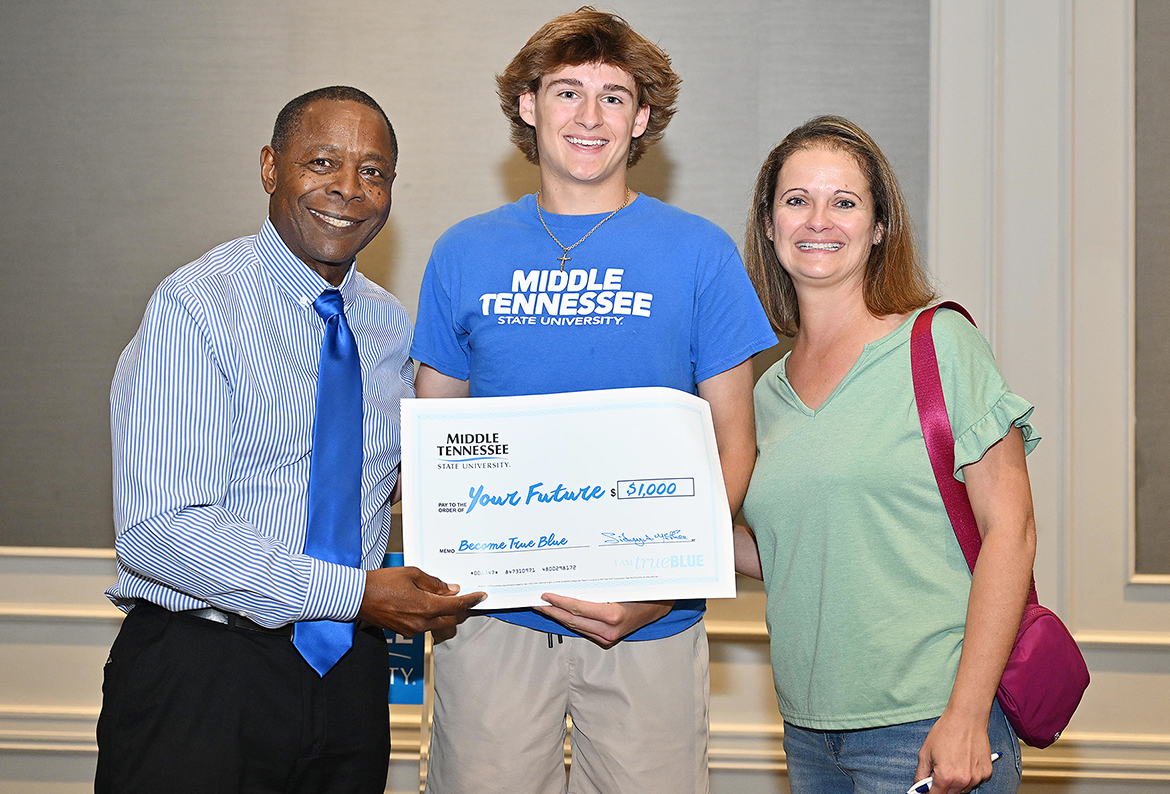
335	475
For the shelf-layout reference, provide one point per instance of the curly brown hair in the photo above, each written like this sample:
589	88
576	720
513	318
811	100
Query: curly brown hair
895	280
590	36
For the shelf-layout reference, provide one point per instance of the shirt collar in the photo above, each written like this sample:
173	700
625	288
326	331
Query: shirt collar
300	282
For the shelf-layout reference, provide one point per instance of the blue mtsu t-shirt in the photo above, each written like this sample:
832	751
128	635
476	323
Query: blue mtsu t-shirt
654	297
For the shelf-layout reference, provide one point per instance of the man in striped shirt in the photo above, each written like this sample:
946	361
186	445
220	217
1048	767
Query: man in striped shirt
212	412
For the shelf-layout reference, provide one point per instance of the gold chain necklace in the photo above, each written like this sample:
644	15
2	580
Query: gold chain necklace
565	257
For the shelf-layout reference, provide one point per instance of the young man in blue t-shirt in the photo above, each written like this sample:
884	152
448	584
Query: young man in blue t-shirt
586	285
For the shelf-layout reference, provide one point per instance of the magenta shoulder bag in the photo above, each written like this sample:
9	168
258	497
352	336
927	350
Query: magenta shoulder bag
1045	675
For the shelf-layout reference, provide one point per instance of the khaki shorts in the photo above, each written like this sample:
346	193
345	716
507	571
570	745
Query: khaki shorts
639	713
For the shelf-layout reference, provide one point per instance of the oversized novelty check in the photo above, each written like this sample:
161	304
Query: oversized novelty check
612	495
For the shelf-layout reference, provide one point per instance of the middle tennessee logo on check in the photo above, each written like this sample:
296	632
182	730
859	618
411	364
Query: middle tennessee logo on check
637	511
472	451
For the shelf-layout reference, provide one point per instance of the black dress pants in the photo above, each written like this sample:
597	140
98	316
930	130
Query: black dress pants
190	705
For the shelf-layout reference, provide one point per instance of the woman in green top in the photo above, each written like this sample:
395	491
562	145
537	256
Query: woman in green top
886	651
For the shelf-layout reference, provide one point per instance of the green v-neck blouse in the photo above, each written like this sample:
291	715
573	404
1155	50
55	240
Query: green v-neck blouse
867	586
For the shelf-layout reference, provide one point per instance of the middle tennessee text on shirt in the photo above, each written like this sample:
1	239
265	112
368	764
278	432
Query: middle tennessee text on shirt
212	413
658	297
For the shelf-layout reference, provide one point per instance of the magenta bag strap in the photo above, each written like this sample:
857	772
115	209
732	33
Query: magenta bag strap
940	442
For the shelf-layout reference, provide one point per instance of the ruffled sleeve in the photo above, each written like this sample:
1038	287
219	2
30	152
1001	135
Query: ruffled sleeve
981	406
1009	410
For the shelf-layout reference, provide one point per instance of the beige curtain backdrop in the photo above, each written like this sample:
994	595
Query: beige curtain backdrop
132	129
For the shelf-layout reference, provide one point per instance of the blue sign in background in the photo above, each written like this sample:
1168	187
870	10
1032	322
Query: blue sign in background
406	656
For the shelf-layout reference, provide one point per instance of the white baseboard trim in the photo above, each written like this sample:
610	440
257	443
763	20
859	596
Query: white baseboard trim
47	729
57	551
55	613
1077	756
734	746
718	630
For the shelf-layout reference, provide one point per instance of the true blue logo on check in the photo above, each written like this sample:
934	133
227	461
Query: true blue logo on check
653	489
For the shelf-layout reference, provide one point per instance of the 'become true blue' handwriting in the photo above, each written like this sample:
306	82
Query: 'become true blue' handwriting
557	494
549	541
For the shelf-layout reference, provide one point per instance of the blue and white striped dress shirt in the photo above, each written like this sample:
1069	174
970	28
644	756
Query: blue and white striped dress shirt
212	420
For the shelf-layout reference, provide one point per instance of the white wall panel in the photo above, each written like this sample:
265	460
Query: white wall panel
1033	104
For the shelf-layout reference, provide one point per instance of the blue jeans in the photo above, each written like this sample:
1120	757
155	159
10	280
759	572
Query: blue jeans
884	760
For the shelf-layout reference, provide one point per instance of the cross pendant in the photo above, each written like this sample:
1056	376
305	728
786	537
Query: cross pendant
564	258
